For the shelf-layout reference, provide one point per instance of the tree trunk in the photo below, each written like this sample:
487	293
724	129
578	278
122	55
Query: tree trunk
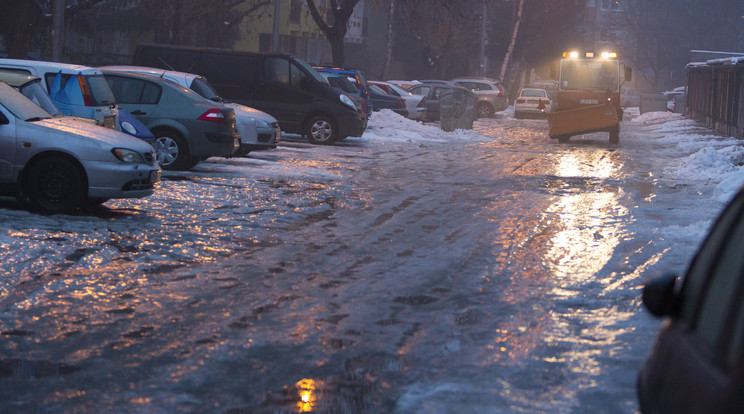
513	39
389	53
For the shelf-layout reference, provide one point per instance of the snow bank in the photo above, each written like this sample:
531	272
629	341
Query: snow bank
386	125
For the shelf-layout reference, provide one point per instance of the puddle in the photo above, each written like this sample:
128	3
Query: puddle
23	368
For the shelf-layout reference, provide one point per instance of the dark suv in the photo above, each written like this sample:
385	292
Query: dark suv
697	363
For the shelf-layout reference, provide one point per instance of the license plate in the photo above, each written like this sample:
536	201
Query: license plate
155	176
108	121
589	101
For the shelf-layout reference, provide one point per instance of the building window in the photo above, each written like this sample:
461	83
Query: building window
611	5
294	11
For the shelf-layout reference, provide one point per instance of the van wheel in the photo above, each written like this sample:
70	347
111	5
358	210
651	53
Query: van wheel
53	185
483	110
321	131
171	151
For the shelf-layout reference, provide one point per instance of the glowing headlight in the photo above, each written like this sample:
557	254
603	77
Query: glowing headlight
346	100
127	156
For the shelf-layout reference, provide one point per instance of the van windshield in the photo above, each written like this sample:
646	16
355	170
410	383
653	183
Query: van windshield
201	85
314	73
20	106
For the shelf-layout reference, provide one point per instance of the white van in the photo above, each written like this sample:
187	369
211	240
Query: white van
77	90
258	130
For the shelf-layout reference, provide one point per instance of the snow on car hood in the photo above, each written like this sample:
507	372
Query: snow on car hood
74	127
242	112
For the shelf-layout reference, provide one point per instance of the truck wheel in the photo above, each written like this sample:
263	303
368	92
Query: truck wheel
320	130
483	110
615	135
171	151
563	138
54	185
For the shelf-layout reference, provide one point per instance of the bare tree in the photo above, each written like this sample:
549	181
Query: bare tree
510	49
335	29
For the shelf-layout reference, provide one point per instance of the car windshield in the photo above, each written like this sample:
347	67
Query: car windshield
590	74
201	85
533	92
341	82
377	89
400	91
20	106
36	93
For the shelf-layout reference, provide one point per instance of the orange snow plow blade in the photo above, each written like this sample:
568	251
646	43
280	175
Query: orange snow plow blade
584	120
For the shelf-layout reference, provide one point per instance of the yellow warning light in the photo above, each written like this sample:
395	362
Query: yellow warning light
572	54
609	55
590	54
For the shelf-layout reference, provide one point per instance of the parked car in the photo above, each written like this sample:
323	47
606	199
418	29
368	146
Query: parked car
415	104
258	130
30	86
57	164
550	86
76	90
433	92
404	83
629	97
697	362
531	101
344	84
286	87
491	95
383	100
187	127
357	79
674	95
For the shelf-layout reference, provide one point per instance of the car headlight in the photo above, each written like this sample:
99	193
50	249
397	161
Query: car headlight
346	100
127	156
260	123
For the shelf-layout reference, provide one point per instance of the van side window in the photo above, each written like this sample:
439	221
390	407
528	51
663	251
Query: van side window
277	70
296	76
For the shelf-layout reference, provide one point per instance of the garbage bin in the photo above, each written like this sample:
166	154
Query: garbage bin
653	102
456	110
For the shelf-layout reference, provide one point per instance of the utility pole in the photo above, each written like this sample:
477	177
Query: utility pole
483	41
58	24
275	33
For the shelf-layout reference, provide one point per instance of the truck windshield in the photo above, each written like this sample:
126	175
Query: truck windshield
592	75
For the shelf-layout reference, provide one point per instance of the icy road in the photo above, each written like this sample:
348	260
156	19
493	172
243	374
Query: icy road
407	271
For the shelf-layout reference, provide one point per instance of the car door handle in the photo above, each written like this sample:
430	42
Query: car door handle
138	112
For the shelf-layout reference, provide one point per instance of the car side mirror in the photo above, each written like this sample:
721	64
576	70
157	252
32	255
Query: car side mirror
660	296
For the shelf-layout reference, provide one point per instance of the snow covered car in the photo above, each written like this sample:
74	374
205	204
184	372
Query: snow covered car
697	362
533	102
57	164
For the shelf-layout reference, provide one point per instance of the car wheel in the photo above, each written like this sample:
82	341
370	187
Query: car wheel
171	151
54	185
321	130
615	135
483	110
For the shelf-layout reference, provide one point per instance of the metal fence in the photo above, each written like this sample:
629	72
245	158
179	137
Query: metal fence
715	91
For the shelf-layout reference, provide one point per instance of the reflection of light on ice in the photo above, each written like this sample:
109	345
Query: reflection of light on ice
306	388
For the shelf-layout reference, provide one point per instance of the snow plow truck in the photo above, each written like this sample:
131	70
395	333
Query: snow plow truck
588	98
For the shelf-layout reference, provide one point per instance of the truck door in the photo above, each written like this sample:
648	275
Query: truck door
284	92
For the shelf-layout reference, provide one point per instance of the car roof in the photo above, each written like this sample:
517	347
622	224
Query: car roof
152	71
50	66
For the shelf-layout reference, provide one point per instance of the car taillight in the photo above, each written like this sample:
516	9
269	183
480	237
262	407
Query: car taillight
422	103
400	103
87	98
213	115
